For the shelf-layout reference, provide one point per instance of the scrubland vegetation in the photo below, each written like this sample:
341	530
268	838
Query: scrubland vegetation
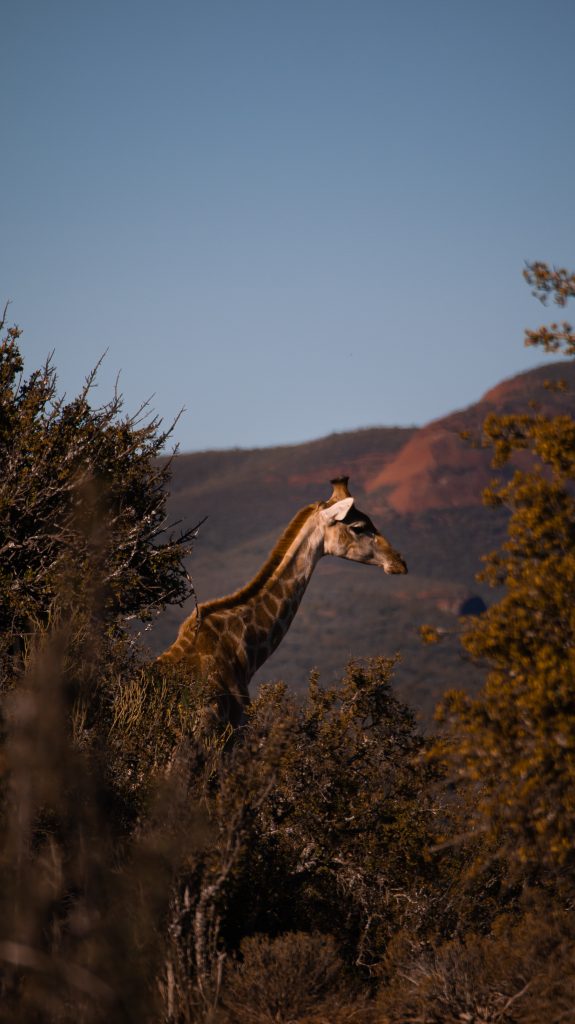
326	863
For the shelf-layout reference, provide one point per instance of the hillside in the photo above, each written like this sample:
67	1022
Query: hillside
423	488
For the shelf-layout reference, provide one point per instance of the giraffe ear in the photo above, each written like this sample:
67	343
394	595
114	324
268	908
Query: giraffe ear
335	513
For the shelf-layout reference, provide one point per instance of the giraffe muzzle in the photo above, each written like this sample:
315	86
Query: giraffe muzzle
395	566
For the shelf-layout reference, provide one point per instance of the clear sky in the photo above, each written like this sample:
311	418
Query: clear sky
288	216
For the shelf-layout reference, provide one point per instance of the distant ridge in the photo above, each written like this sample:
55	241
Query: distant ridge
435	469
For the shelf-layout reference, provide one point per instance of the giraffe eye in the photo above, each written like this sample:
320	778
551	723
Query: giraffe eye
362	530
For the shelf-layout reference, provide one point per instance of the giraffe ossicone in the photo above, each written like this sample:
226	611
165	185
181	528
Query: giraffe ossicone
228	639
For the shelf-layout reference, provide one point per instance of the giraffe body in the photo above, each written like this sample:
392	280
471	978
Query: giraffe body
228	639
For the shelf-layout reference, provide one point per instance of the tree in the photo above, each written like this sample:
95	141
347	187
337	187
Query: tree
82	503
84	547
516	742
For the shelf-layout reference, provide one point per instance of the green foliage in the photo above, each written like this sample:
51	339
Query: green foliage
516	742
82	504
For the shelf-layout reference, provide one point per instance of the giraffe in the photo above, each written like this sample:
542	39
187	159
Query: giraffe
227	640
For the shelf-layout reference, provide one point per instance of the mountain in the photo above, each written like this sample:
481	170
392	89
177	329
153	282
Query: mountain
421	486
435	470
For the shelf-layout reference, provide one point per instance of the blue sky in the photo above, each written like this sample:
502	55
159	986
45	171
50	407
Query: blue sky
287	217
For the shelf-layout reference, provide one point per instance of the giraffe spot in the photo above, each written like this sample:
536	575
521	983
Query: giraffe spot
249	619
215	622
206	642
271	603
235	627
276	633
265	619
227	648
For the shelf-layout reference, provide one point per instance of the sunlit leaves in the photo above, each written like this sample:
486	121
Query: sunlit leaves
516	741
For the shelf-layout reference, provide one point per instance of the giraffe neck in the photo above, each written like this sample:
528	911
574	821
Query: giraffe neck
230	637
276	601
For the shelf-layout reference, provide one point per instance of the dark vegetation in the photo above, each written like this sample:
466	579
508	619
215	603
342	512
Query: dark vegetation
326	863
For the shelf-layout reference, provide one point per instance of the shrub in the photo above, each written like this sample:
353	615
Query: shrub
340	844
521	973
82	505
286	978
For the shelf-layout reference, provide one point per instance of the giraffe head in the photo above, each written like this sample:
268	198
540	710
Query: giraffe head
349	533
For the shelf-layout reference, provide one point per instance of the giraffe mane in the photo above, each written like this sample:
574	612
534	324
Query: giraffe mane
272	562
